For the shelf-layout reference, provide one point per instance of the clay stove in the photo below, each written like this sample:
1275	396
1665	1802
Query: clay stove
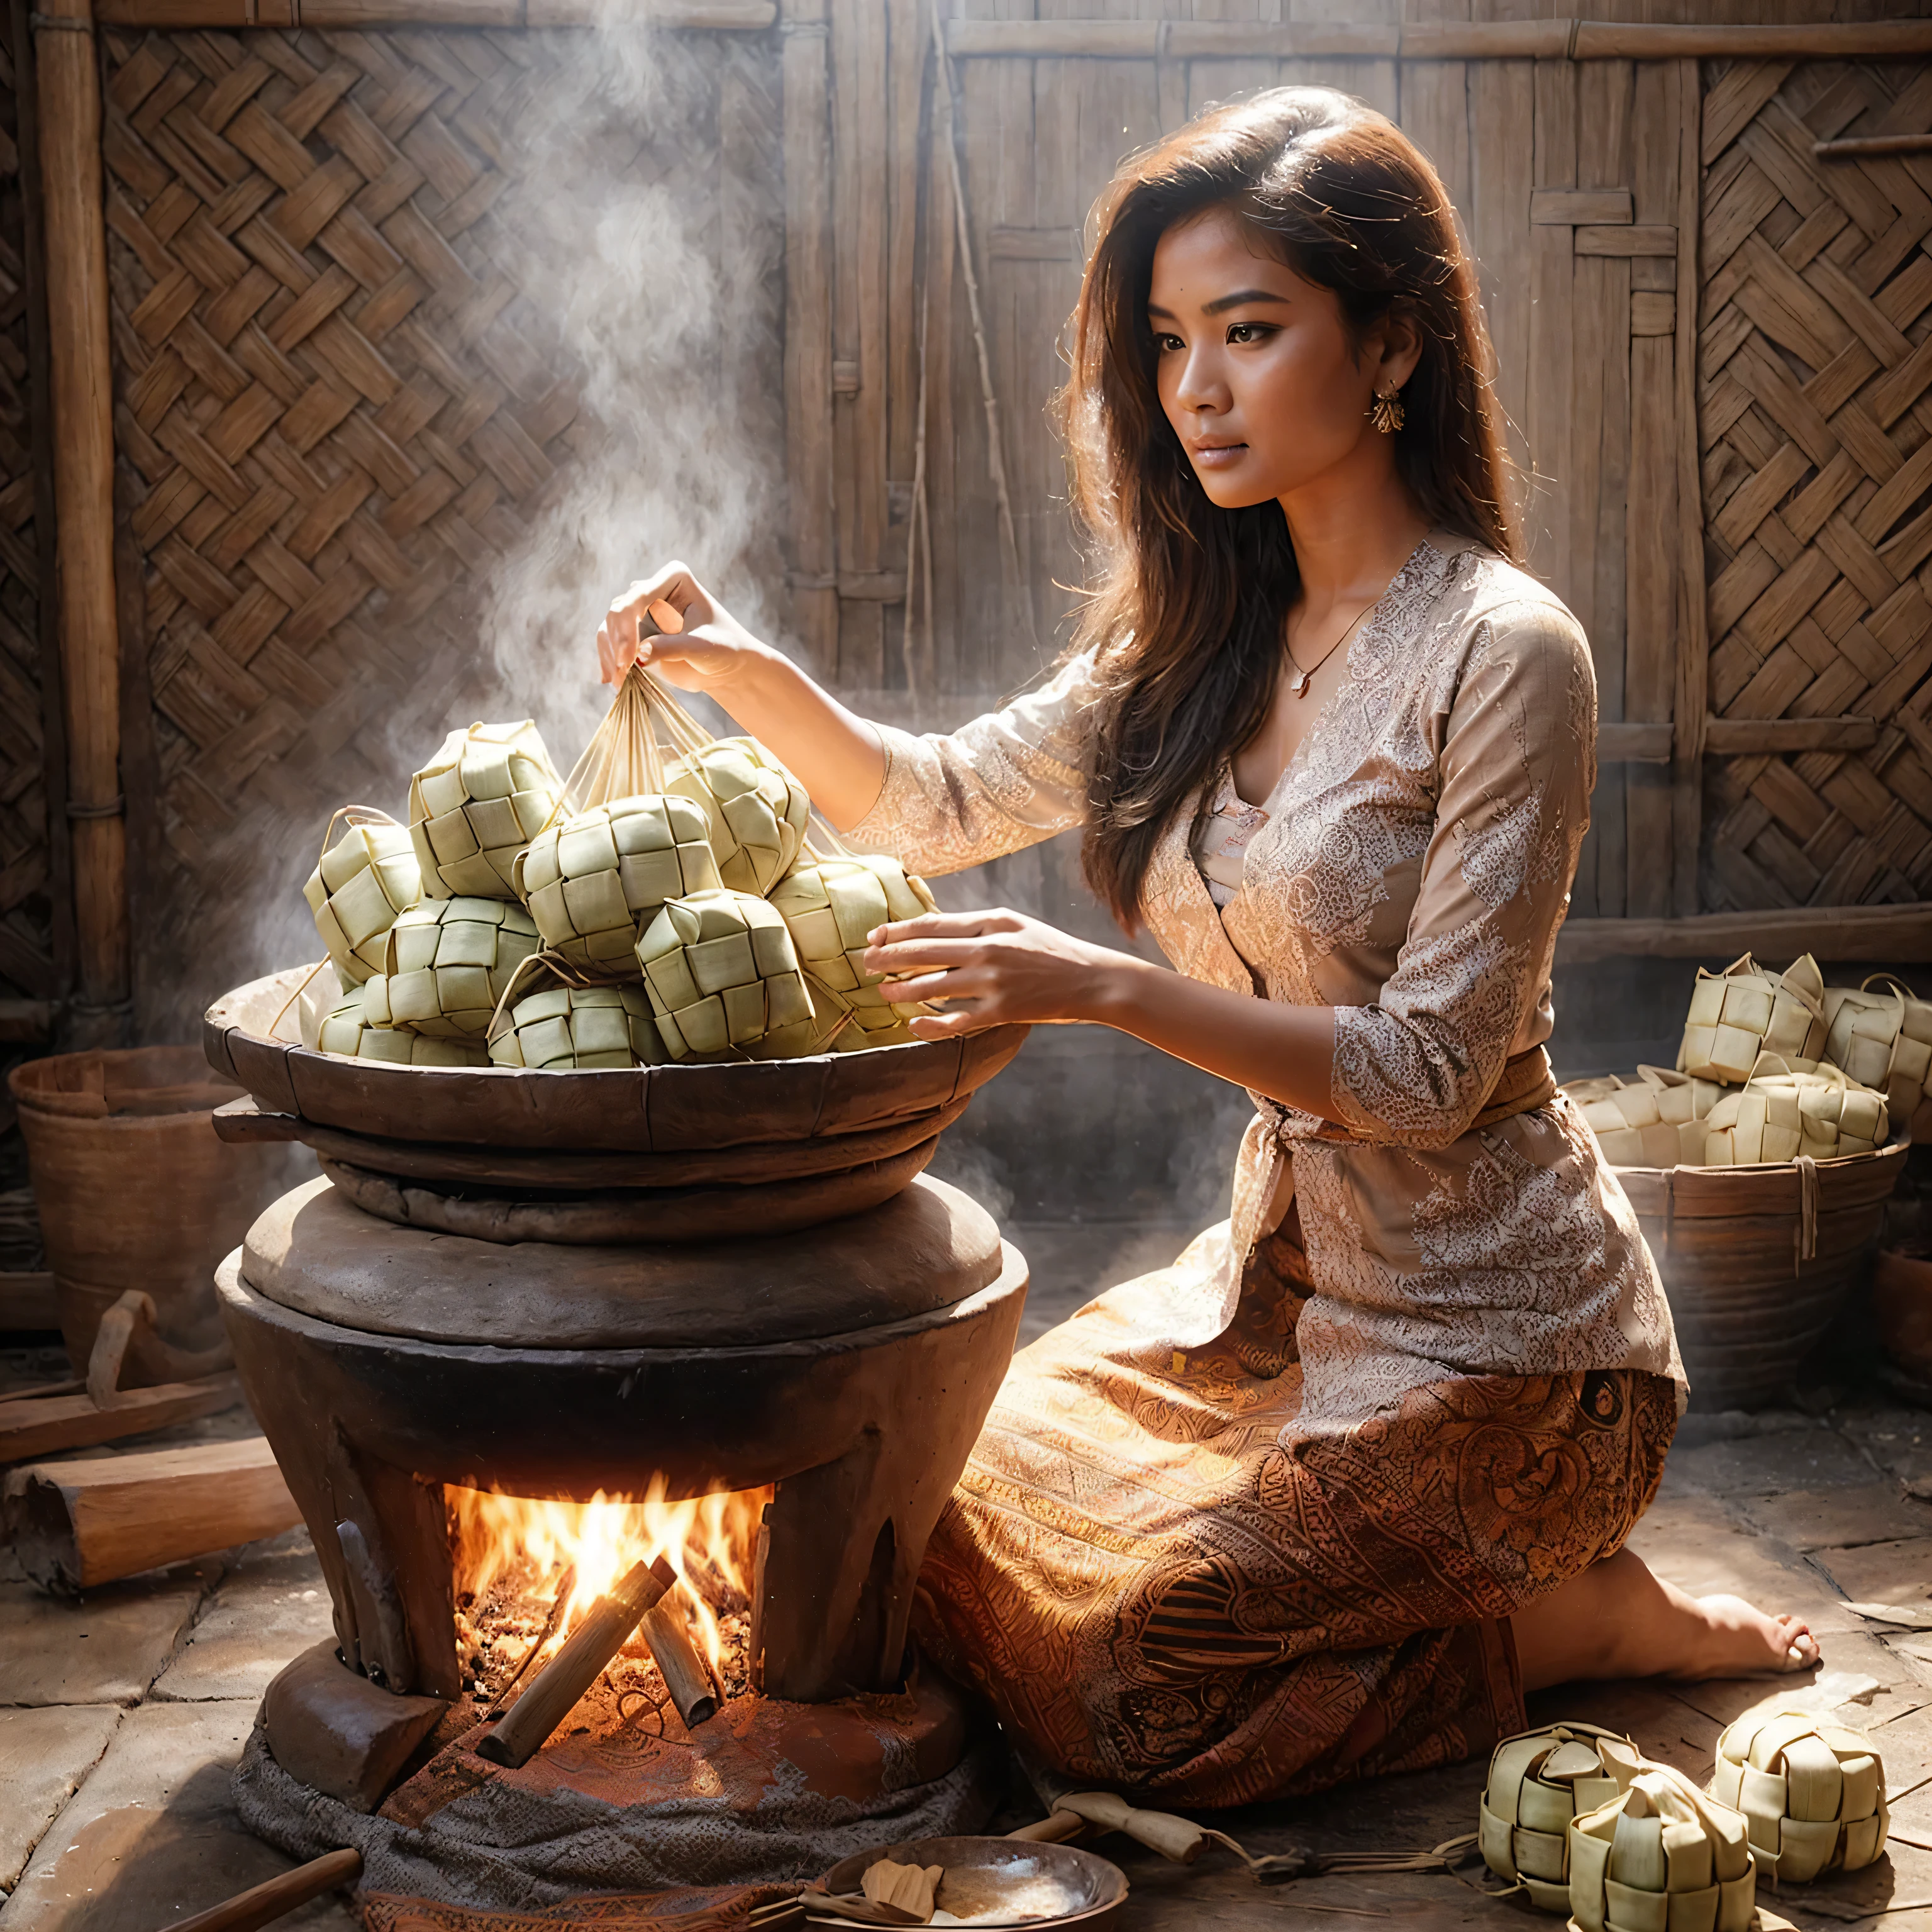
675	1280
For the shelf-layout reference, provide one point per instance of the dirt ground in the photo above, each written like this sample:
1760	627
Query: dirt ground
121	1716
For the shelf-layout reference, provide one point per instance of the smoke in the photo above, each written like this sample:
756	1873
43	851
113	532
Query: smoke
629	312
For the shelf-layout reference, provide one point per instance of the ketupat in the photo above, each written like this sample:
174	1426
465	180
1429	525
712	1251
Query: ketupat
1813	1792
488	791
722	973
1661	1857
1885	1039
1744	1011
756	810
1537	1784
362	883
577	1029
591	882
830	905
1777	1115
348	1031
449	963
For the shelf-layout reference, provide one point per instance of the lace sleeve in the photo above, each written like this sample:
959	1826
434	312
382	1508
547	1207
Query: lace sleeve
1007	780
1515	761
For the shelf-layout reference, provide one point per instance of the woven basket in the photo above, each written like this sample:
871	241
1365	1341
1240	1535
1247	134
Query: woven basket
1759	1262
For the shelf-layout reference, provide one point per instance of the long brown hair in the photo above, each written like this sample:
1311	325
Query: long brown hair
1187	616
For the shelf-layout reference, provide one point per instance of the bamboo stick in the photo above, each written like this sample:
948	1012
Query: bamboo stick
679	1663
262	1904
555	1689
1848	147
749	16
83	383
1694	638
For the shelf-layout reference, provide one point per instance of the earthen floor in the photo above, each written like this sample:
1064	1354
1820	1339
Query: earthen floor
120	1718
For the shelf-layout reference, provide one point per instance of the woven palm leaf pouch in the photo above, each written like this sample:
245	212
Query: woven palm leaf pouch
1809	1109
449	963
1656	1120
359	885
1813	1792
1884	1039
1660	1856
724	980
758	811
1744	1011
488	791
1537	1784
594	880
349	1031
579	1029
830	905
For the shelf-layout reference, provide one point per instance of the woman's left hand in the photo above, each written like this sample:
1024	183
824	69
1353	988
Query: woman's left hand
993	969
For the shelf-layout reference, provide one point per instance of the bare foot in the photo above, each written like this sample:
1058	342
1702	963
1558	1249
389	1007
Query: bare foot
1618	1620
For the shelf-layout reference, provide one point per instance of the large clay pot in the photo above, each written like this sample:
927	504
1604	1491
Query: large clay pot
135	1191
1902	1302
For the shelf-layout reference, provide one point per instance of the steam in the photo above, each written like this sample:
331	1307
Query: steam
642	224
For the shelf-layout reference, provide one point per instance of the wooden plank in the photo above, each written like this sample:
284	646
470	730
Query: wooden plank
1435	117
1633	744
34	1428
1693	642
74	1525
1502	122
807	371
1899	934
909	29
1651	239
1741	737
1571	208
1550	398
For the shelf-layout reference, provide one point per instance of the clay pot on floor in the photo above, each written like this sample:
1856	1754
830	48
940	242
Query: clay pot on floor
134	1191
1902	1302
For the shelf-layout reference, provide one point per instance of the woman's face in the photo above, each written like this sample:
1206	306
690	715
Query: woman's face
1255	368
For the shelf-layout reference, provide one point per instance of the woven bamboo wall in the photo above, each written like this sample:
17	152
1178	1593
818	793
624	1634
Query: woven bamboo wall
1816	352
342	406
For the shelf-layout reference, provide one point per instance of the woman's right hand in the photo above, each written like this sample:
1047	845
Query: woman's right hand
670	624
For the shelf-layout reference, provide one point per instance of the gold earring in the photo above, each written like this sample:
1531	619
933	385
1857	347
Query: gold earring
1386	414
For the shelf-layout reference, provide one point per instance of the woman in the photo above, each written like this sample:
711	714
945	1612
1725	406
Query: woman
1325	1498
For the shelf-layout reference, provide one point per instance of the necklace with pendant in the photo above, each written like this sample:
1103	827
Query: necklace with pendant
1298	685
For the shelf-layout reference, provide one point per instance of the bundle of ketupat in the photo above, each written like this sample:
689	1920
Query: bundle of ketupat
448	964
758	811
1538	1784
690	920
830	905
479	802
1744	1011
721	972
593	881
1813	1792
359	885
348	1030
1810	1109
1885	1039
1660	1856
578	1029
1656	1121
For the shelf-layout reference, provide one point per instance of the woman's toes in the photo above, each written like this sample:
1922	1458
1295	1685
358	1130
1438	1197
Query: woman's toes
1799	1647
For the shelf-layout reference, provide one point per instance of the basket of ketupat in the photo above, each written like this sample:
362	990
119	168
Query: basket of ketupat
1760	1164
664	904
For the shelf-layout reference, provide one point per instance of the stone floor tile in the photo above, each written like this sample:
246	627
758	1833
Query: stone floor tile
1700	1545
106	1649
268	1608
45	1752
1899	1440
151	1835
1838	1519
1655	1715
1882	1572
1798	1458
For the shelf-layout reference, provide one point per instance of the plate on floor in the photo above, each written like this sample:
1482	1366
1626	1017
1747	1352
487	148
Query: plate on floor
1003	1882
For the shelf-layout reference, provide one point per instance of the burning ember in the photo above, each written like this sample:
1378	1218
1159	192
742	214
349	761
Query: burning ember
528	1571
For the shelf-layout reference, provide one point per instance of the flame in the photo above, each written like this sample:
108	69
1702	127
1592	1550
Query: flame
709	1541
